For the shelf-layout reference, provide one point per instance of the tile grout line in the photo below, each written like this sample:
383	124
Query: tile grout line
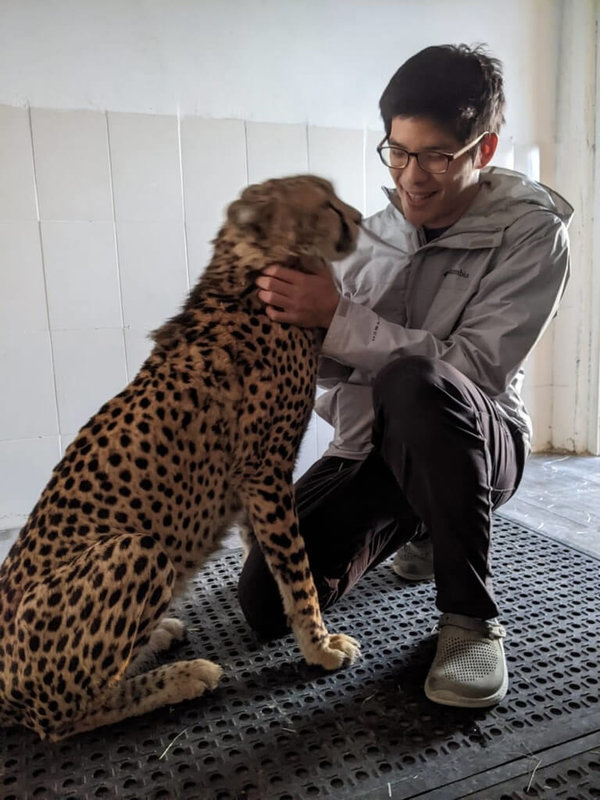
43	262
116	243
183	210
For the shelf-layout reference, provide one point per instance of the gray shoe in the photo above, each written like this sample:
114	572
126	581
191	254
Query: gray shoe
469	668
414	561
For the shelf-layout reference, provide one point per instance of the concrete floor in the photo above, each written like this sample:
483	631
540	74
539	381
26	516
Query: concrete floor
559	496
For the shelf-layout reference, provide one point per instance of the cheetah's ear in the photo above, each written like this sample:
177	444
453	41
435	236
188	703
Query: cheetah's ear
253	215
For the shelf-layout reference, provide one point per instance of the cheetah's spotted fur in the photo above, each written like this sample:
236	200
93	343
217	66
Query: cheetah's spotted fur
210	424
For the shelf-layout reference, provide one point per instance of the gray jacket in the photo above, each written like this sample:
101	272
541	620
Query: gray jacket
479	297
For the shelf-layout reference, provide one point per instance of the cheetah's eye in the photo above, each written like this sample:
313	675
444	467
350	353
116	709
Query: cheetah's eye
333	208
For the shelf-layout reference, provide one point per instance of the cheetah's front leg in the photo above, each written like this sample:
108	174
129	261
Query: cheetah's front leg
275	525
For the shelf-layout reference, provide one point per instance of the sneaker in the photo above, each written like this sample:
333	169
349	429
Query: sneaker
414	561
469	668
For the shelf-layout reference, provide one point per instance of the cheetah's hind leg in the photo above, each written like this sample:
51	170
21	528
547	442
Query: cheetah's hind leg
244	528
166	685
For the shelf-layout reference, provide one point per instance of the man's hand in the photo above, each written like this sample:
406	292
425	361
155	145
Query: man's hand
308	300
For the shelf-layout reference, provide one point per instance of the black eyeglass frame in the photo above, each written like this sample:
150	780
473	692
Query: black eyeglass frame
449	156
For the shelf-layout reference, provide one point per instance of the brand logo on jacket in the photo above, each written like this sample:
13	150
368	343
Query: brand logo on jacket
460	272
375	329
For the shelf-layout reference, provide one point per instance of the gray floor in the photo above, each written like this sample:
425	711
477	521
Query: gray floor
559	496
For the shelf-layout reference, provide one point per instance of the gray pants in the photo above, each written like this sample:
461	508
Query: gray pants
443	460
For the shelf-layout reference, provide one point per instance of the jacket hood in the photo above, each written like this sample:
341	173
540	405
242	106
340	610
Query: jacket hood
505	196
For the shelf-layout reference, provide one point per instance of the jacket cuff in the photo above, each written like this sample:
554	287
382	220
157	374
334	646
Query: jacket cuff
350	322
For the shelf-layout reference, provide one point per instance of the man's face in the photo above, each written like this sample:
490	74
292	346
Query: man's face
434	201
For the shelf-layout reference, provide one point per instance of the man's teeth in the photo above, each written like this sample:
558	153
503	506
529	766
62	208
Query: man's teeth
419	198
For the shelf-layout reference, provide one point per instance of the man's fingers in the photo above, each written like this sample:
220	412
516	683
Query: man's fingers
281	273
273	298
307	300
264	282
278	315
273	285
272	269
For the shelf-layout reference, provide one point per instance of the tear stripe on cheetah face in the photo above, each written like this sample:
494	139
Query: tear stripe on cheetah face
210	426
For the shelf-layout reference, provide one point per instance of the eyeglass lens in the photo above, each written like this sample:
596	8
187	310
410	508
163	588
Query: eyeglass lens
398	158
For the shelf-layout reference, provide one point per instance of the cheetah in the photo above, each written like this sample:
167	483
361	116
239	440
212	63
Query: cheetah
209	427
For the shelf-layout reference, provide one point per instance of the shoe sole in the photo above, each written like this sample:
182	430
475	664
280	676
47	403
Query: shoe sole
407	576
447	698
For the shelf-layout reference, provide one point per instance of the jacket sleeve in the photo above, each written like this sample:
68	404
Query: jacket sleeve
512	307
333	370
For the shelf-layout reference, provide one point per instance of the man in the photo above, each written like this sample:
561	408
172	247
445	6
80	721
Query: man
427	327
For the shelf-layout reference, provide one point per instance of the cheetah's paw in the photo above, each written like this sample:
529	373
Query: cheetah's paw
173	627
203	672
338	650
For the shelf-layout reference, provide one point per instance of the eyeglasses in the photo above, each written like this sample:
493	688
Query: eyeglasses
431	161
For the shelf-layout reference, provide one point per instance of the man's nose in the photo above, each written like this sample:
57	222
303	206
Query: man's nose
413	172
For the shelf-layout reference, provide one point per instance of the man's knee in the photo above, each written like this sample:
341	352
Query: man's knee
408	385
416	401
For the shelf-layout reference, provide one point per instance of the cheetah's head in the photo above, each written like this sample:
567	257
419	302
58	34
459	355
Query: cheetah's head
297	221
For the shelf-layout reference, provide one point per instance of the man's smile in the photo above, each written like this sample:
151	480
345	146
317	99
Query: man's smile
418	198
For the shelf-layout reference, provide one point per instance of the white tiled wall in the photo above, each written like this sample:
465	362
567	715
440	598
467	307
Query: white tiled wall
72	173
145	168
27	401
89	367
82	279
339	157
153	271
105	222
22	299
17	193
214	154
376	175
275	150
25	465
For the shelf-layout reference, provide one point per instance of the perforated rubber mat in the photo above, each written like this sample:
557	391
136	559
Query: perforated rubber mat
276	728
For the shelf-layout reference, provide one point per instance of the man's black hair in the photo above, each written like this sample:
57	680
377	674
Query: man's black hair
458	87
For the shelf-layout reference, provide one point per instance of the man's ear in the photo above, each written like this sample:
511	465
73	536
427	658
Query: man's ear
486	150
